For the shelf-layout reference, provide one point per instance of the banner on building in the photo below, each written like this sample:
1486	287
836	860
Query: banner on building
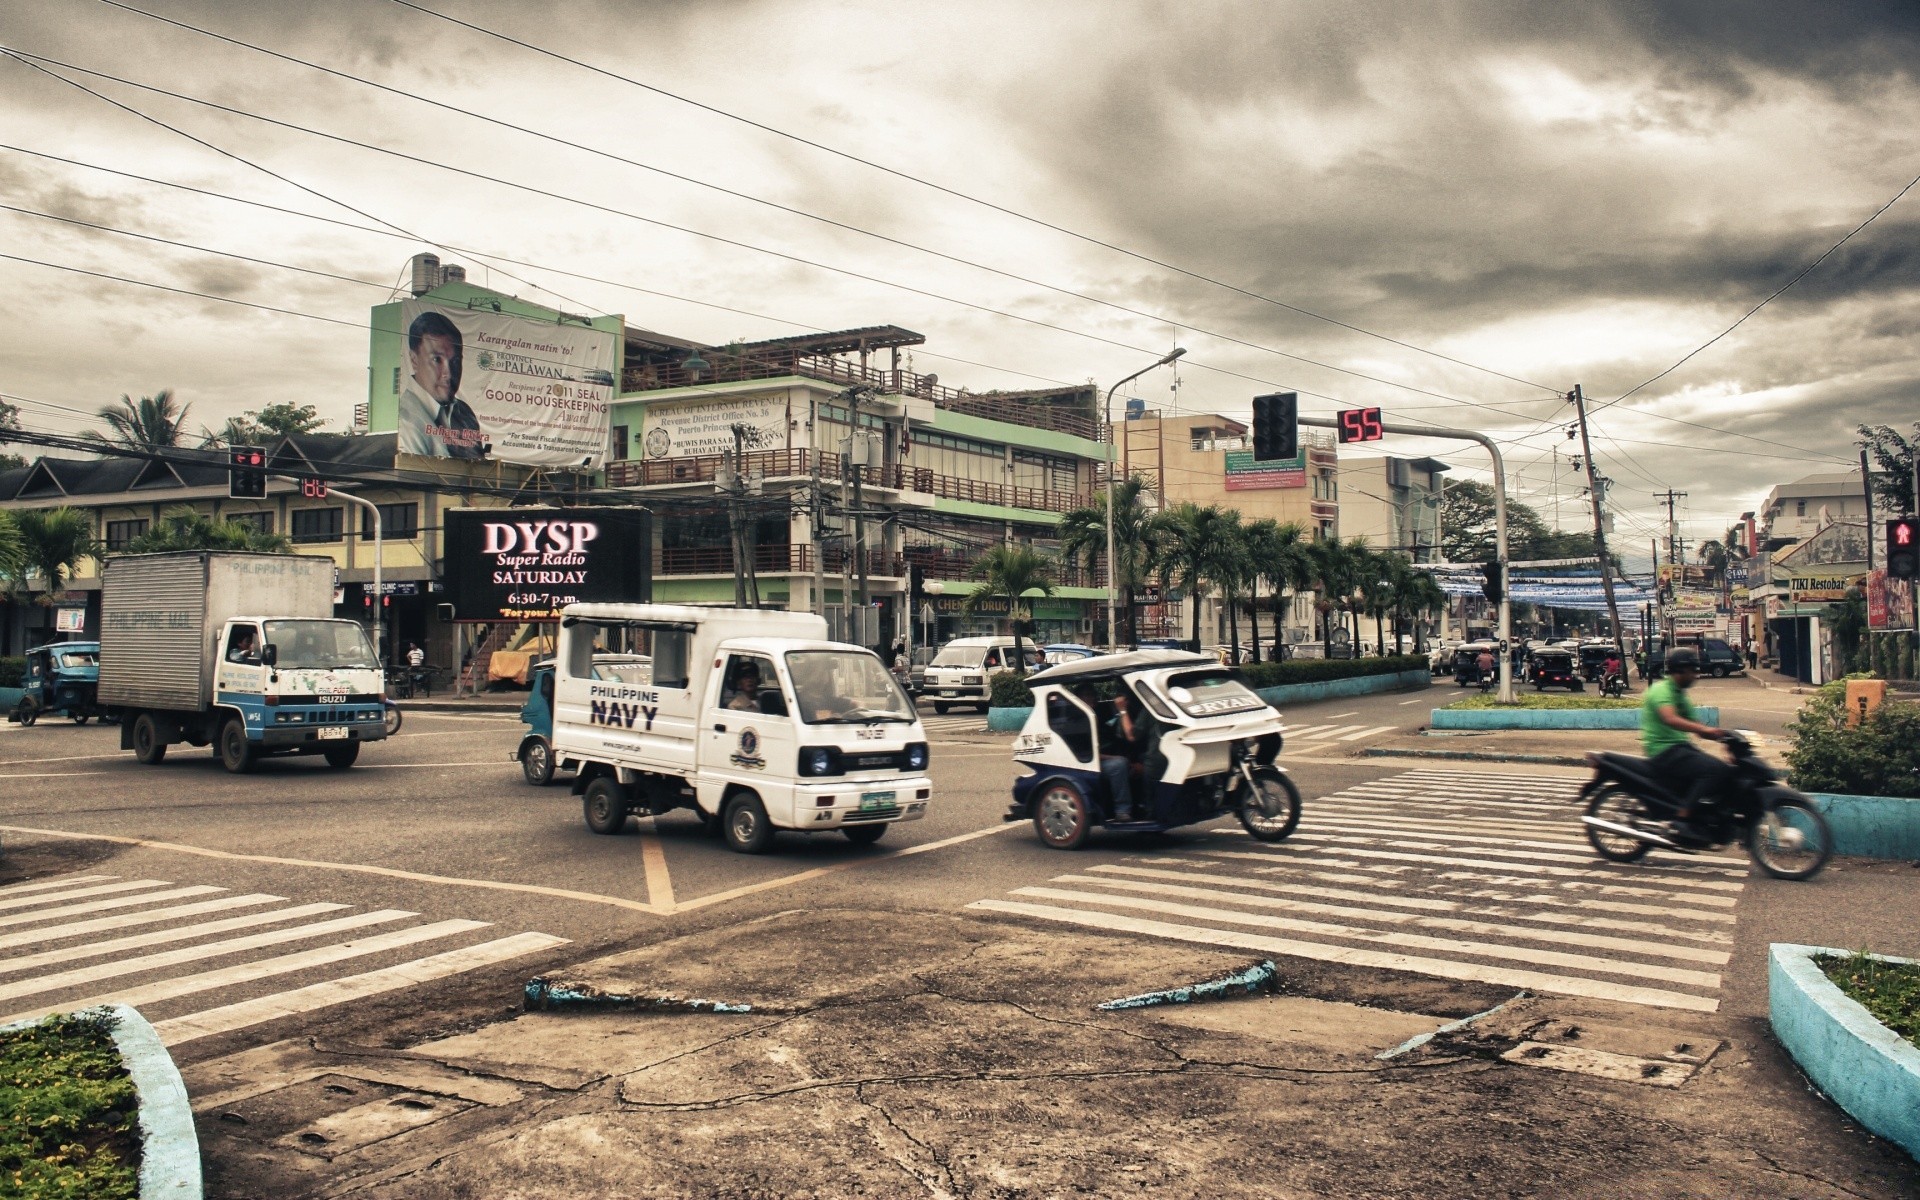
526	564
1889	603
1246	474
697	427
1815	588
1688	622
69	620
486	386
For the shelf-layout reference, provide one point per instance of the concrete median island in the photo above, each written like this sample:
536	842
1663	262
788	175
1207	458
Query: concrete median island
1866	1068
1481	719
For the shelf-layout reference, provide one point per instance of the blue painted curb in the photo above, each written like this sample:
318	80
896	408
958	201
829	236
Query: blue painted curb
1256	978
1548	718
1866	1068
545	995
1872	826
10	698
169	1147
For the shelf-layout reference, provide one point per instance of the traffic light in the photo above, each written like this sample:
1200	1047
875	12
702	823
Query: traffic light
313	489
1903	548
1276	426
1491	588
246	473
1360	425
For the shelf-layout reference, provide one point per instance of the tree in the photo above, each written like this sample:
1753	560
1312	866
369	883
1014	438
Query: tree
1713	556
1422	598
10	419
1468	525
1011	571
1083	539
1893	482
185	529
53	542
1336	567
1278	554
238	431
1197	547
154	422
13	556
287	419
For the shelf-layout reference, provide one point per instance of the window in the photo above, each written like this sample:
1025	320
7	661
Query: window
619	449
243	645
1799	508
261	521
315	524
119	533
398	522
751	685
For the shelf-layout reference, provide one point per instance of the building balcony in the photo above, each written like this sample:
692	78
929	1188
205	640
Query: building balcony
776	464
792	559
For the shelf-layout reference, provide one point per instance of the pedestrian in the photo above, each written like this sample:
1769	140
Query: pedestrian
416	657
1753	659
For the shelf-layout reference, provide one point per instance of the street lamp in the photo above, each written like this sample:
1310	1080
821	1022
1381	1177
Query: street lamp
1113	589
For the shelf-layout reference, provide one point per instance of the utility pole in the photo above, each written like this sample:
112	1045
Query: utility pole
1579	398
819	508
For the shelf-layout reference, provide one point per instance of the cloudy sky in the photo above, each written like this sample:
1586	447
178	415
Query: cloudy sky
1496	202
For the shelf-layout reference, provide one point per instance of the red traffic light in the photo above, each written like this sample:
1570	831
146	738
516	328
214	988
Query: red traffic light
1901	532
1903	548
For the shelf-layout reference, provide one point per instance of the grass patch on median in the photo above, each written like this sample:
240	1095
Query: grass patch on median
67	1124
1888	990
1542	700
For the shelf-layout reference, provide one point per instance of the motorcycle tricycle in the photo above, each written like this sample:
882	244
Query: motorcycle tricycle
63	678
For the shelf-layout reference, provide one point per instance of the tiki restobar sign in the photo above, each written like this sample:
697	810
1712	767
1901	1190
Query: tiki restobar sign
526	564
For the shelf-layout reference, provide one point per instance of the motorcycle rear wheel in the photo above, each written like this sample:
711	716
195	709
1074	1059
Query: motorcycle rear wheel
1273	811
1616	804
1790	840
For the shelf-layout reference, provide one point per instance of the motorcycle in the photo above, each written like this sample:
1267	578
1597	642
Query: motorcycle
1630	811
1613	685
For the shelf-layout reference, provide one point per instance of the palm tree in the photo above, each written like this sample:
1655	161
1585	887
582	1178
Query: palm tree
1379	592
1423	597
1278	554
1083	540
1713	556
1335	566
13	556
53	542
185	529
238	431
1196	550
154	422
1011	571
1229	567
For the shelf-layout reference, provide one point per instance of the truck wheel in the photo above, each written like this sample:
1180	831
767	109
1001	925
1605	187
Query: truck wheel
937	707
342	757
236	752
536	762
745	825
864	835
147	746
605	805
80	718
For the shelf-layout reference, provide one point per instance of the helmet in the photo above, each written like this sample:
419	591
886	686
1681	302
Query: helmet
1685	658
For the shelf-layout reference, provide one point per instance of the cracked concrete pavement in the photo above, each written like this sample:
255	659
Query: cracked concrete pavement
948	1055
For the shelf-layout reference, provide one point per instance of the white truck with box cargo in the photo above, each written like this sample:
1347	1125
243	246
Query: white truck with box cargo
752	719
237	651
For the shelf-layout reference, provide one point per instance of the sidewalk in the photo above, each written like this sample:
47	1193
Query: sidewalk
489	702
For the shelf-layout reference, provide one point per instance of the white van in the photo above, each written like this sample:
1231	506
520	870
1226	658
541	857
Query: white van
753	720
962	673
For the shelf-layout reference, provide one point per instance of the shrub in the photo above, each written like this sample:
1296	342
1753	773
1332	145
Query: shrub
1010	690
12	671
1878	757
1540	700
1314	670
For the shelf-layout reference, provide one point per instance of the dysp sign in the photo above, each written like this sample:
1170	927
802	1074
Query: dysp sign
526	564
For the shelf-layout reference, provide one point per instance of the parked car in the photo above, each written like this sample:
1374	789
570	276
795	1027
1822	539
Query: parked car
1066	652
1717	658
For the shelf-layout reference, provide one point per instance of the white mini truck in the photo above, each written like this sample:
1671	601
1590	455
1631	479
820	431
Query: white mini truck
753	719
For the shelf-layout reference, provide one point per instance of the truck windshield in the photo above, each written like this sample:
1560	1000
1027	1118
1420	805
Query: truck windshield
844	687
1212	694
320	645
959	656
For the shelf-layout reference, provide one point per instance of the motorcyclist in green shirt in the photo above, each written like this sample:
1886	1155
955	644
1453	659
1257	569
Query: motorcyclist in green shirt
1667	718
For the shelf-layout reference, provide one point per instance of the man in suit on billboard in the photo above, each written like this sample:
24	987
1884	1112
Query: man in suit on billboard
433	421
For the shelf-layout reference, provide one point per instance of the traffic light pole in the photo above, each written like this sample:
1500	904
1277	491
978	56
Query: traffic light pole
1499	523
379	592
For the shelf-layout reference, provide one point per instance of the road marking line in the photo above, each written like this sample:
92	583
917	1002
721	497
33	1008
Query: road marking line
818	872
1299	731
187	985
34	762
1289	904
78	928
56	775
1353	737
1337	716
1415	700
180	933
501	764
1423	839
98	889
1536	861
1388	937
170	958
353	987
1293	889
355	868
1442	968
71	910
16	889
1455	924
653	866
1330	731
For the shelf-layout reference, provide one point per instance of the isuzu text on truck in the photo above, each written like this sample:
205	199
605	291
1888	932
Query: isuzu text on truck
751	719
237	651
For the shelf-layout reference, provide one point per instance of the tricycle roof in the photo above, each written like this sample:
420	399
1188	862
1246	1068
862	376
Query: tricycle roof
1107	666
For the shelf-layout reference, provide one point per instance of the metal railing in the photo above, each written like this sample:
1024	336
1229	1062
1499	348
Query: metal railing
705	468
788	559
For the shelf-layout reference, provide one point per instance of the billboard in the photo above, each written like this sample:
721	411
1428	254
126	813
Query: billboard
526	564
485	386
1889	603
699	427
1828	587
1245	473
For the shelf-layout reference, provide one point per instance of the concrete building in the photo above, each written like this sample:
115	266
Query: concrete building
1393	504
1796	511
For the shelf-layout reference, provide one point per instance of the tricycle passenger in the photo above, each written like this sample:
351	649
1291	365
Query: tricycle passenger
1115	767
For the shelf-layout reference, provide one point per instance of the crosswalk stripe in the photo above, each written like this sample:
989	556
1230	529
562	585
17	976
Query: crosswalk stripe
187	985
169	958
16	889
1350	848
98	889
74	910
1389	937
180	933
353	987
1330	731
1391	875
1455	924
1354	737
1299	731
80	928
1288	888
1443	968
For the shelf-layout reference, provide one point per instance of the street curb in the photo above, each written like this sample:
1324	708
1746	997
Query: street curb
512	703
1256	977
545	995
169	1147
1549	718
1867	1069
1871	826
1551	760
